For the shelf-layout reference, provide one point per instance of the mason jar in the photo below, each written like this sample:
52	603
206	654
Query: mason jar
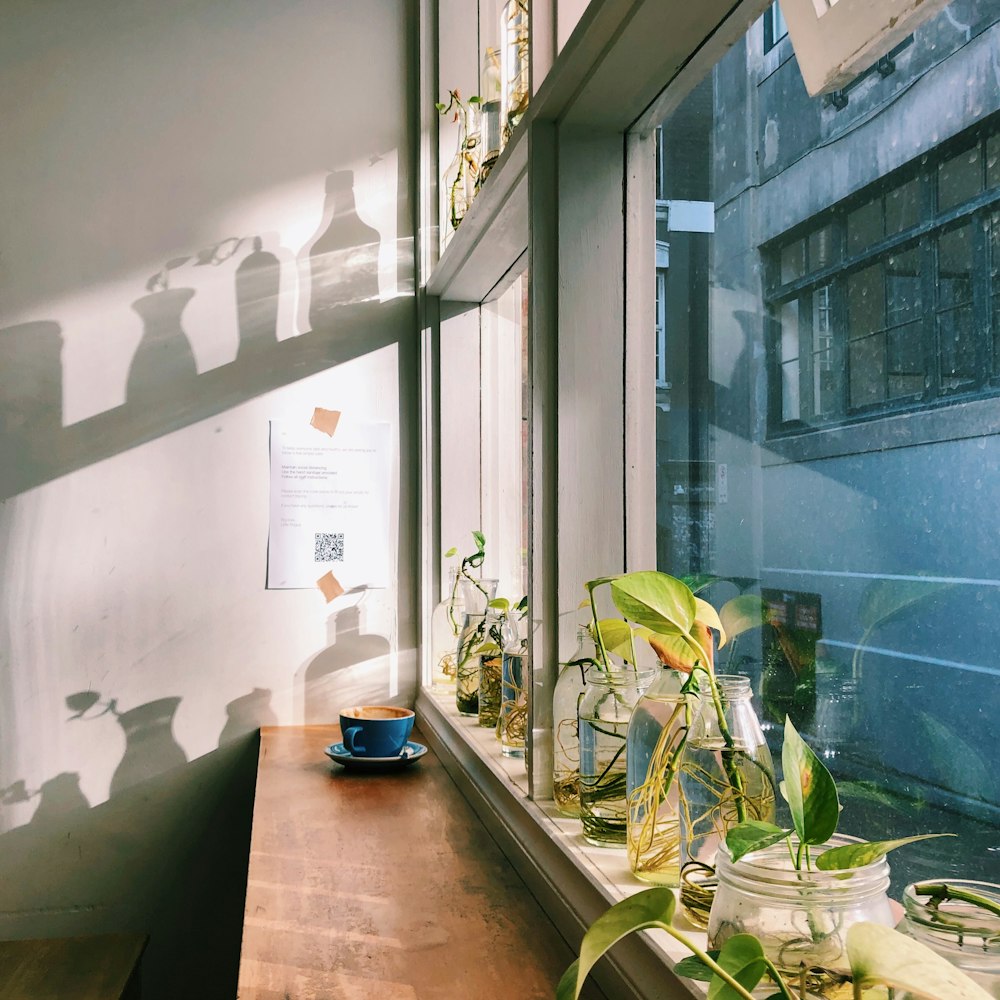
512	726
566	698
727	776
657	734
605	710
476	595
957	929
801	918
491	671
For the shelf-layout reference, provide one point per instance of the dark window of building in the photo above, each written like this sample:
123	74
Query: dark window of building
774	26
890	301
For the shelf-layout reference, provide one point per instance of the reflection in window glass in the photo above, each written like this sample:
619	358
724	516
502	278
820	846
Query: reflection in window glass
864	227
902	207
827	346
960	178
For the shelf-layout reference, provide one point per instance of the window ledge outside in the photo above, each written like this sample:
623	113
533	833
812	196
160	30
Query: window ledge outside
574	881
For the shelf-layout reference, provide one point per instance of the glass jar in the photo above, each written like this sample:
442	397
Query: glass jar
956	928
801	918
458	184
446	624
490	670
476	595
726	777
654	747
566	697
605	710
490	102
512	726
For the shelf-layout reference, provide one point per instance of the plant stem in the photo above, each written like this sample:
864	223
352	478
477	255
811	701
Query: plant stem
712	964
732	771
597	629
941	891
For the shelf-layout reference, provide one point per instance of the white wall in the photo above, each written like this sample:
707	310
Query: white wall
133	529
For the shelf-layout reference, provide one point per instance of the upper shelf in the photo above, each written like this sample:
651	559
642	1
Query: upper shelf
609	77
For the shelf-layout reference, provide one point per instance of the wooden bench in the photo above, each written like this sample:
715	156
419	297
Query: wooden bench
386	885
103	967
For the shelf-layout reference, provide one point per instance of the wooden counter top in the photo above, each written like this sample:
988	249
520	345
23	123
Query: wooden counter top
381	886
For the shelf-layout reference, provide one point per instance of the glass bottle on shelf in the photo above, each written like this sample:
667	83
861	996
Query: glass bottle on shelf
605	710
655	743
566	698
458	184
490	107
446	623
515	64
476	595
512	726
490	669
727	776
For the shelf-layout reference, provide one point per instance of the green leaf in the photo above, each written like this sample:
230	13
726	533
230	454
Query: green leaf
855	855
693	967
649	908
592	585
705	614
753	835
480	539
742	614
451	552
499	604
884	600
616	636
809	790
658	601
880	955
742	956
674	650
441	107
698	582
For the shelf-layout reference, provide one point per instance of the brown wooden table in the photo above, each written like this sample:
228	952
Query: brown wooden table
382	886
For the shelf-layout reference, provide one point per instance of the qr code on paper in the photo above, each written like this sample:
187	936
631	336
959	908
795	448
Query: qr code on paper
329	548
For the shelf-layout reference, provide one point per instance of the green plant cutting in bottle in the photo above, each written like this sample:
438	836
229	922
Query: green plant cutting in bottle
878	956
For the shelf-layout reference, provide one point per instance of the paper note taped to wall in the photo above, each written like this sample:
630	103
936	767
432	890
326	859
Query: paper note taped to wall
329	505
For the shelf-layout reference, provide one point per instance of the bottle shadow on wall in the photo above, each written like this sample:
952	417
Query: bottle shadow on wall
339	306
350	670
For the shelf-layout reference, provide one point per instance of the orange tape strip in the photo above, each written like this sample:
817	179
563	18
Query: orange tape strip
330	586
325	420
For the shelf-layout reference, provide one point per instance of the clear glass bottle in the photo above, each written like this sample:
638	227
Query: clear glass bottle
566	698
491	670
657	733
727	776
446	624
605	710
490	94
476	595
801	918
458	184
515	64
956	928
512	726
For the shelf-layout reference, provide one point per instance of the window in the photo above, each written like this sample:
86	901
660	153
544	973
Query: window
886	302
830	448
774	26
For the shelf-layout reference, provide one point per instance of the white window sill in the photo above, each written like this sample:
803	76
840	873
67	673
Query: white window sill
574	881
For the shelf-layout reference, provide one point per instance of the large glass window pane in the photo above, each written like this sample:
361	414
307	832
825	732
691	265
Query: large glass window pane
864	227
843	475
866	301
960	178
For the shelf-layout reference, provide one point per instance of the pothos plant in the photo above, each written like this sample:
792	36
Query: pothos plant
876	954
665	612
879	957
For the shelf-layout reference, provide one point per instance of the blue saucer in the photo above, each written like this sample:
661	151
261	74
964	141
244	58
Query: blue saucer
410	752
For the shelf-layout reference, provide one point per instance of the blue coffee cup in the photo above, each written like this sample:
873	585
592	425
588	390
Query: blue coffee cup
375	730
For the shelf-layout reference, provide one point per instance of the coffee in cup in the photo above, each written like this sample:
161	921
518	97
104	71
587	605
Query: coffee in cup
375	730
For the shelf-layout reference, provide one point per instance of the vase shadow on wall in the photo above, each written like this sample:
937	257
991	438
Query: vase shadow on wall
246	714
351	670
338	291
